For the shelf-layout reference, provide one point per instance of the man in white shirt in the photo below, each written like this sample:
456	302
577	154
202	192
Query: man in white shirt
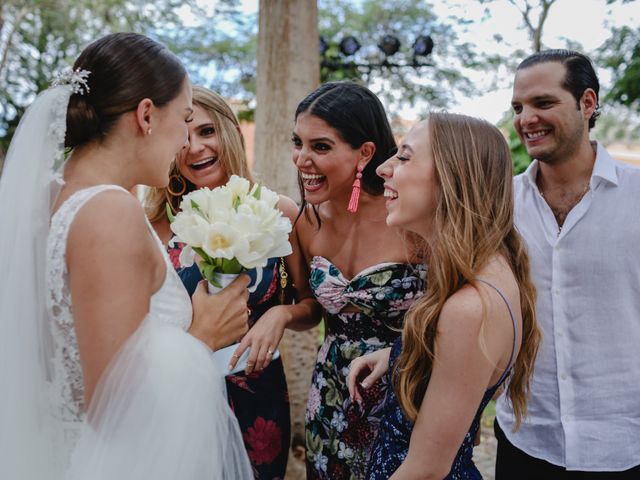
579	213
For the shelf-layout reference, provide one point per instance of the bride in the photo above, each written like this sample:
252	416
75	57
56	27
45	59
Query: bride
105	367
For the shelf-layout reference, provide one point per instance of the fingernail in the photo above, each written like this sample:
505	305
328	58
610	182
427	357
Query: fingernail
364	385
229	367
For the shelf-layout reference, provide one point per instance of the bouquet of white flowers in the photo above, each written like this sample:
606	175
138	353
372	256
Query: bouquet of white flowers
231	228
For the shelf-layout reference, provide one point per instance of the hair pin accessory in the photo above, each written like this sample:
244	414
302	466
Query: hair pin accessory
76	78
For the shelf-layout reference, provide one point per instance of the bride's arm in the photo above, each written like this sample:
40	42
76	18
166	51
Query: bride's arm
114	267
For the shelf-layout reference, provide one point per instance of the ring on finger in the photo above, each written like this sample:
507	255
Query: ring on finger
269	352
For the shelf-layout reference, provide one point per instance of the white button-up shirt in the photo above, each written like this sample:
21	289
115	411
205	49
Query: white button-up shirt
584	410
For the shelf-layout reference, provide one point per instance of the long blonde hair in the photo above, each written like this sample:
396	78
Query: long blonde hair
473	222
231	154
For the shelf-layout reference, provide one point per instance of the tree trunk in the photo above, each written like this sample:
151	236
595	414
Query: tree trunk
288	69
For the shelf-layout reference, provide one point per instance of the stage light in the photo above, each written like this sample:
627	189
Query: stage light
423	45
349	45
389	45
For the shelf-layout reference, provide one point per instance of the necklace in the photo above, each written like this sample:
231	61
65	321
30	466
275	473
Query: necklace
584	191
562	205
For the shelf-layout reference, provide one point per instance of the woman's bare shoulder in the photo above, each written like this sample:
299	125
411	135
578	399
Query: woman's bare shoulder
288	207
111	218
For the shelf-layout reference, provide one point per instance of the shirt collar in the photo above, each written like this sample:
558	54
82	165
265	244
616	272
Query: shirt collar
531	173
604	168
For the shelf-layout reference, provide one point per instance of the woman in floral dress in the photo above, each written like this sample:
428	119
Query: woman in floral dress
258	396
361	272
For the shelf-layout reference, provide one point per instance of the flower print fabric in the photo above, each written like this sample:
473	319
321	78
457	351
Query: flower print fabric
339	433
263	441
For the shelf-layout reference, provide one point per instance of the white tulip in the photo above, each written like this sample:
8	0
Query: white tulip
190	228
186	256
222	241
238	186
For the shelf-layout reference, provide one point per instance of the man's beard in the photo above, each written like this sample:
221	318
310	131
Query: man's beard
563	148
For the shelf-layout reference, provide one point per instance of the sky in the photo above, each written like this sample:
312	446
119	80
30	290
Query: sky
587	22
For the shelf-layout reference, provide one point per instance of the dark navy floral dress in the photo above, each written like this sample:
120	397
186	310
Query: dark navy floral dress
260	400
392	445
339	432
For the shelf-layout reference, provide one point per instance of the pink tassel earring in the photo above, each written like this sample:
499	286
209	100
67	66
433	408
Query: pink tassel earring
355	192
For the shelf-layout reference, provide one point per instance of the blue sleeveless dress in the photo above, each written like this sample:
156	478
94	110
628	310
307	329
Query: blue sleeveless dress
260	400
392	445
339	433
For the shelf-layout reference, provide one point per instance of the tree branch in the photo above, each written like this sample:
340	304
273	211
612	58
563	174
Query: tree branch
5	54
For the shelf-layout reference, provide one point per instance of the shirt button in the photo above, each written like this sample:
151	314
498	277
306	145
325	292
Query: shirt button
559	334
563	376
556	291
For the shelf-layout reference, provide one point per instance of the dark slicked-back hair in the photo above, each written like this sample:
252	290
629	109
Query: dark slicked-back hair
356	113
579	76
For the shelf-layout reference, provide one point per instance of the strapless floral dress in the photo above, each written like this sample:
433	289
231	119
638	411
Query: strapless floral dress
339	432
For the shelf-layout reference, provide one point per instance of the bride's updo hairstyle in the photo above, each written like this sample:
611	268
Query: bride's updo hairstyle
124	69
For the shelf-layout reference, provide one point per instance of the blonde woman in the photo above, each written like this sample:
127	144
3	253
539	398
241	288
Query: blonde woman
258	396
450	183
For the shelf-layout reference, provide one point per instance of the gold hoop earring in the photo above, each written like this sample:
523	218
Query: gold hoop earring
178	178
170	200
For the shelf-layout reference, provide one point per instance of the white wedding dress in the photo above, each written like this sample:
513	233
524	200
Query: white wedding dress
160	409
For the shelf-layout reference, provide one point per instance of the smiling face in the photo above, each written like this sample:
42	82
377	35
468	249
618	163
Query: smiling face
411	186
547	119
325	162
169	135
199	162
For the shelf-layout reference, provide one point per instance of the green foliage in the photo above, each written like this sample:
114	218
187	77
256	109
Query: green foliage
220	50
519	155
246	115
622	56
617	123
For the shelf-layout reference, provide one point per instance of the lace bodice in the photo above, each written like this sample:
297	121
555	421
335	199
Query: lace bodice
170	304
